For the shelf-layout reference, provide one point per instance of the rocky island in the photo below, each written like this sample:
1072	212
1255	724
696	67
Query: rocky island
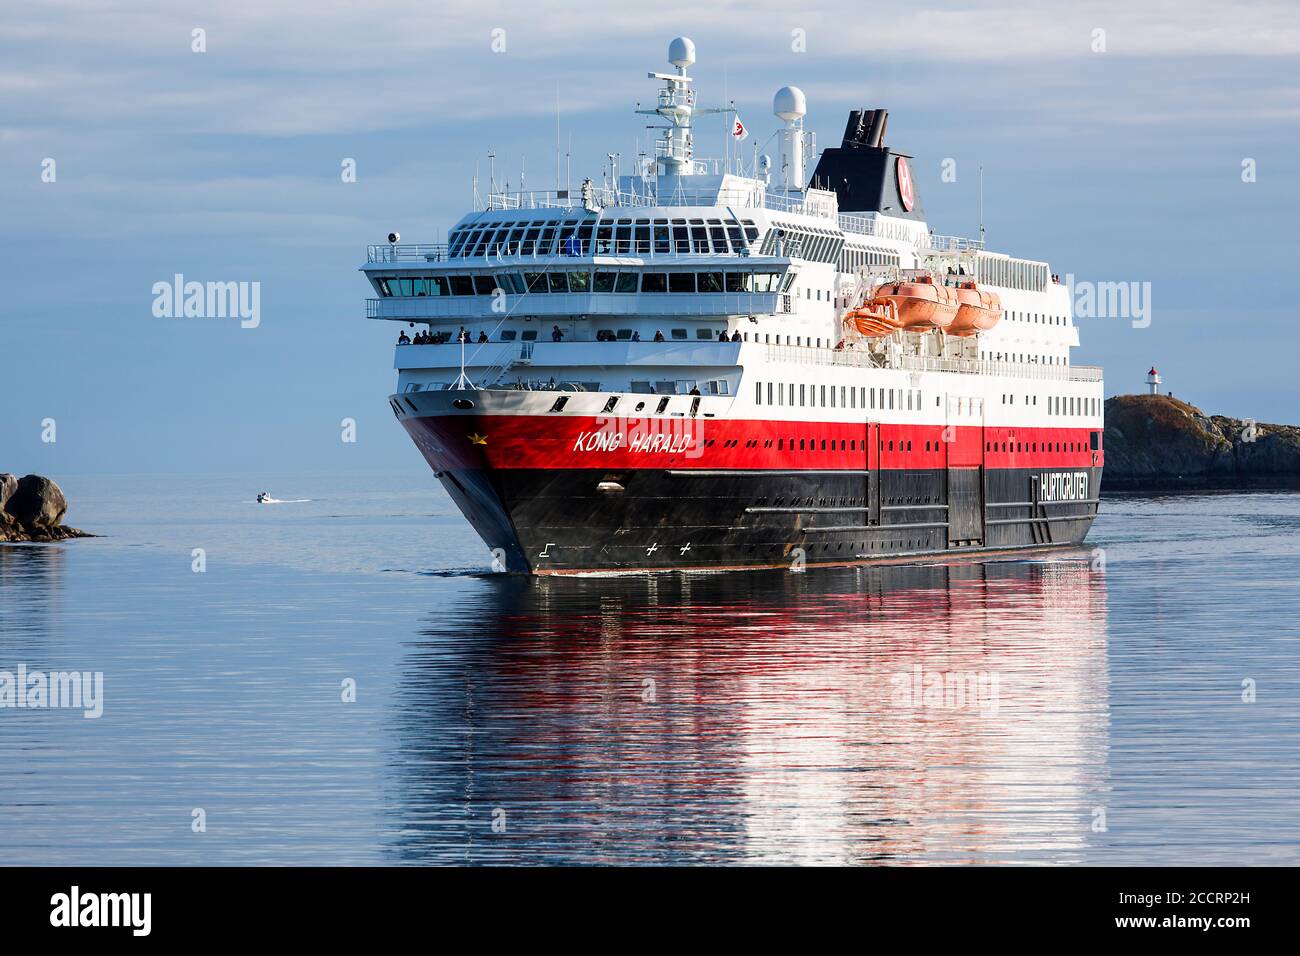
1160	442
32	509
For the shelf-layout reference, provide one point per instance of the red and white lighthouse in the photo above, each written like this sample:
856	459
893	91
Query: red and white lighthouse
1153	381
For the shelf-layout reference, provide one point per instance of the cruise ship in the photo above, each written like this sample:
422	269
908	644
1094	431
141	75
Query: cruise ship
762	361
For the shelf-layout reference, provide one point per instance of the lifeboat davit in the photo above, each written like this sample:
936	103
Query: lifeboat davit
977	310
921	304
874	321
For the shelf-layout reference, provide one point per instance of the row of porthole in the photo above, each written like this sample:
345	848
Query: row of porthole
908	544
1018	446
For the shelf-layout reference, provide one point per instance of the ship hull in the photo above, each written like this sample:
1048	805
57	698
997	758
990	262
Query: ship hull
558	520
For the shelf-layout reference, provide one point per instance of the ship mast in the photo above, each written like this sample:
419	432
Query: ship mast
676	147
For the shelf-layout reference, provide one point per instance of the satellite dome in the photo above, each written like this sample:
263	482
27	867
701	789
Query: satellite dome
681	52
789	103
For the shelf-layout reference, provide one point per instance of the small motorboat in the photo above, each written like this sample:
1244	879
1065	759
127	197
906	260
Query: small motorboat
921	303
264	497
978	310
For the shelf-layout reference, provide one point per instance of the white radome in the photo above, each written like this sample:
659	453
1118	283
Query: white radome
789	103
681	52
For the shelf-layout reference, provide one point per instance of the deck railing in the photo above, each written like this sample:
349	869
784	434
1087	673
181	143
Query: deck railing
808	355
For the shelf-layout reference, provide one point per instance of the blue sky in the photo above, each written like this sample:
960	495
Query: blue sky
1123	165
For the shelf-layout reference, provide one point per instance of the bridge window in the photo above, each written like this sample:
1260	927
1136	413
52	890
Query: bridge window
654	282
681	282
579	281
559	281
512	282
699	237
710	281
662	239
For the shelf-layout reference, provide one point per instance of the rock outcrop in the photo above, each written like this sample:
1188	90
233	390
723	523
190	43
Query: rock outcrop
1161	442
32	509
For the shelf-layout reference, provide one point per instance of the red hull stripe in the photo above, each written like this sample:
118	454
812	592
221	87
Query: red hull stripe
570	441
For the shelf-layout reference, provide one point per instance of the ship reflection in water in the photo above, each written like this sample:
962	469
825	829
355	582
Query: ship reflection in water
898	714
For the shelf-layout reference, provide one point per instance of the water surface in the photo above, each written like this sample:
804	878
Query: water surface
1093	710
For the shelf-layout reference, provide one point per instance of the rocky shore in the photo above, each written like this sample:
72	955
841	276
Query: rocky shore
1160	442
32	509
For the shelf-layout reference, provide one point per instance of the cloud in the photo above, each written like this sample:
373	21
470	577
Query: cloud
328	66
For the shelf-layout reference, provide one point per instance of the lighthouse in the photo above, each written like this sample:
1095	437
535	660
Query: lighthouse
1153	381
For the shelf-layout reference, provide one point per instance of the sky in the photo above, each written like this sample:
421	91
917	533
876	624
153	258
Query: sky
1140	143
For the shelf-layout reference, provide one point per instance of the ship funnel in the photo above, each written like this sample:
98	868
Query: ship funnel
865	128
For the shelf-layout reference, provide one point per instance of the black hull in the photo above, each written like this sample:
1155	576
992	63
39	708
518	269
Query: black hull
556	521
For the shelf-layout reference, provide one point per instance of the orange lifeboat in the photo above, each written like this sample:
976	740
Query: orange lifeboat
977	311
921	303
874	321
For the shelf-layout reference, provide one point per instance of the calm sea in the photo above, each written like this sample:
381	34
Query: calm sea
1134	703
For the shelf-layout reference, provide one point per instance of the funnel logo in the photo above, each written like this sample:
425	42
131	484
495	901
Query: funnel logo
906	191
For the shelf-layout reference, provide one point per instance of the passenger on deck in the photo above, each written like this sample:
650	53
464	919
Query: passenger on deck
636	335
722	335
462	335
735	336
557	334
659	336
482	337
402	338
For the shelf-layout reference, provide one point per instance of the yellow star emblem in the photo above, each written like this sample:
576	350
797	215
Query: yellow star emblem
476	439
